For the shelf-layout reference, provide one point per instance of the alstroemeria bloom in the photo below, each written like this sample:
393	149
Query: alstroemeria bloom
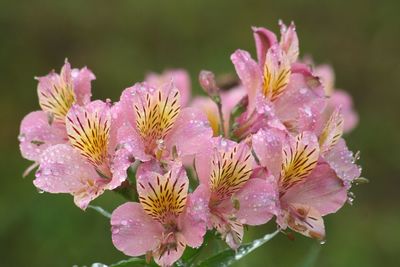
179	77
57	93
166	219
281	92
334	150
154	124
308	189
88	165
337	98
229	99
235	198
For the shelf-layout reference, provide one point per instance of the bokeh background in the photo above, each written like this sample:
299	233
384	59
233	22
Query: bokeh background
122	40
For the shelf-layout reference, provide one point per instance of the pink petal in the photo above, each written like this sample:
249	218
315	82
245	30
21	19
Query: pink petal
130	141
249	73
267	144
133	231
322	189
36	135
231	230
327	75
301	101
229	100
191	126
257	201
264	40
306	220
124	109
195	219
203	163
342	99
179	77
82	79
342	161
88	129
289	41
63	170
210	109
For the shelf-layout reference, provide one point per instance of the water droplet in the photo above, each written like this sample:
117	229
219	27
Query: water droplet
322	242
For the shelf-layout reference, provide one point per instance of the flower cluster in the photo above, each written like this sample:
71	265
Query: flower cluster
267	145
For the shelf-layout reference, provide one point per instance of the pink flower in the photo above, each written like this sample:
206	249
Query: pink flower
90	163
153	124
179	77
229	99
337	98
57	93
166	220
281	92
334	150
308	188
235	198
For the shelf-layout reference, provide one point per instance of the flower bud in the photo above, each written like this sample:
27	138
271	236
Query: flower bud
207	82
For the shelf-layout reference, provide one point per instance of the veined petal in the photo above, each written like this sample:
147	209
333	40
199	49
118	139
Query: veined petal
88	131
56	96
332	132
289	41
58	92
156	111
300	157
163	197
276	74
230	169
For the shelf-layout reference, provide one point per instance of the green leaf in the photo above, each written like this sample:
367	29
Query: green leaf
228	256
100	210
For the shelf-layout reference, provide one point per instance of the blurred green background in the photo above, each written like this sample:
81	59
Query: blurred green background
122	40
